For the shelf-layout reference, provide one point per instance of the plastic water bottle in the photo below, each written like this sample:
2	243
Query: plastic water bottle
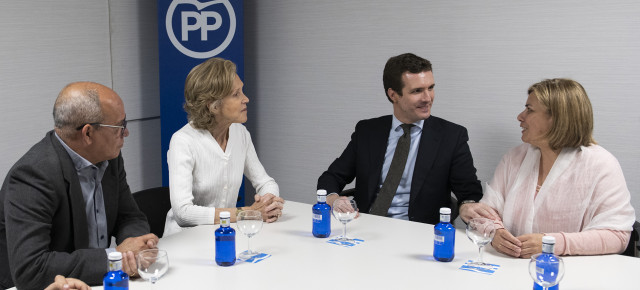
225	241
444	237
115	279
548	242
321	216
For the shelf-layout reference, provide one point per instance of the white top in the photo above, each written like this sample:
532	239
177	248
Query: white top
114	256
548	240
202	177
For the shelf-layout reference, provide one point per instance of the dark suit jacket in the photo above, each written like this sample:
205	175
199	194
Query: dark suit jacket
443	164
43	225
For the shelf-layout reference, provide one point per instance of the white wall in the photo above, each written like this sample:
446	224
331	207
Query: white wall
314	68
46	44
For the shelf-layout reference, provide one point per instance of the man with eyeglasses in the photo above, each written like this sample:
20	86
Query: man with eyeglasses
68	195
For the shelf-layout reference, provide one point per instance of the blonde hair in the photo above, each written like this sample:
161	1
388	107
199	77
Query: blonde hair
207	84
570	109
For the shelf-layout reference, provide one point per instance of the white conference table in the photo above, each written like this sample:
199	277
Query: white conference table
395	254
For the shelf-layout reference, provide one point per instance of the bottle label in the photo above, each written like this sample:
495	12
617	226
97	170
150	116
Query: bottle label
547	248
322	198
317	217
224	222
438	239
547	269
115	265
445	218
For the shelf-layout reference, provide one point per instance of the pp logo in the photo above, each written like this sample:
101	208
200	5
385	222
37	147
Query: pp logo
196	20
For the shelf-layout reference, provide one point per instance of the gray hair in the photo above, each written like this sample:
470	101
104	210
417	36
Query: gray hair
73	110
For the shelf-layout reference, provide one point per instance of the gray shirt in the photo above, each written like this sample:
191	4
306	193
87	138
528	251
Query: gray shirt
90	177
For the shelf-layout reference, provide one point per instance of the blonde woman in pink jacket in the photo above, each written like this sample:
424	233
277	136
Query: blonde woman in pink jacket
559	182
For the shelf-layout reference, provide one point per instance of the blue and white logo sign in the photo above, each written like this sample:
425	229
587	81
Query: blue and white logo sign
189	32
200	29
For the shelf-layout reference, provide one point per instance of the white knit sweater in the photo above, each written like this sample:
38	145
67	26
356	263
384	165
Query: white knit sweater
202	177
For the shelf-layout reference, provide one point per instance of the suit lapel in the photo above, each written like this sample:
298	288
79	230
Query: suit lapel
378	140
427	152
77	204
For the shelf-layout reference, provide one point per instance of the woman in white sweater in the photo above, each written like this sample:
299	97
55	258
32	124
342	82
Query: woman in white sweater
208	156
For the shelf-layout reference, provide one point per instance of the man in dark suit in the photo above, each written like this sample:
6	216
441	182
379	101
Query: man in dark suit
438	159
68	195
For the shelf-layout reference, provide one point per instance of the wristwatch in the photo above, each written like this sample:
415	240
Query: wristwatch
467	201
239	210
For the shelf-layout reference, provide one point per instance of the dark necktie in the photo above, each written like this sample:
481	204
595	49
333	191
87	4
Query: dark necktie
390	186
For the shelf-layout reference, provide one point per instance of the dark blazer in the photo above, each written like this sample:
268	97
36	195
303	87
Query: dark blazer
443	165
43	225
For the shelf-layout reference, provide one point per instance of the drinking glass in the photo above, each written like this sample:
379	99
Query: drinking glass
152	264
480	231
546	273
249	223
344	210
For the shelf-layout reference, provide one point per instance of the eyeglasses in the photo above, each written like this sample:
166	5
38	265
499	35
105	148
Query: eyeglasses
122	127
